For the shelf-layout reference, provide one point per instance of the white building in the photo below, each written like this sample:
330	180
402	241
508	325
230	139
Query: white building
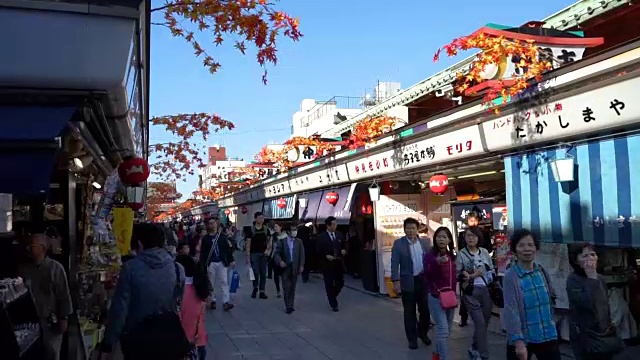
220	171
320	117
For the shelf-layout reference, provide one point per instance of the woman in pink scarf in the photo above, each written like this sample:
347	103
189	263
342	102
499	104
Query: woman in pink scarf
197	290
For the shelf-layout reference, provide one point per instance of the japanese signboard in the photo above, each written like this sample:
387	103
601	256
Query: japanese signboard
456	144
323	177
596	110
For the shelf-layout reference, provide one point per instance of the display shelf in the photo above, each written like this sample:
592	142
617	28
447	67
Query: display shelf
19	324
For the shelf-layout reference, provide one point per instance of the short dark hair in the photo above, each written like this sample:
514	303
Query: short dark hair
473	214
476	231
181	245
574	251
147	234
329	220
521	234
258	213
409	221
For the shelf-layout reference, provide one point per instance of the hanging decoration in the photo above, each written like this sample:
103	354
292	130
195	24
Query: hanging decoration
332	197
438	184
243	210
367	130
227	212
133	170
281	203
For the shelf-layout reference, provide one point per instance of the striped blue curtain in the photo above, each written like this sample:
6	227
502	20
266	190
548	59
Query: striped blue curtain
601	206
272	211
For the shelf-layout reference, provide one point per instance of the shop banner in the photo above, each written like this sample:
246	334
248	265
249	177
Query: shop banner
600	206
271	210
325	176
390	213
593	111
123	229
438	149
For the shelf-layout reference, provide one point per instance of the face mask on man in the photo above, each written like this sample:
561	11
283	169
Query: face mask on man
294	233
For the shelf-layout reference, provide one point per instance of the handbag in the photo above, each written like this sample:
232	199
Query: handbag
158	336
607	342
447	297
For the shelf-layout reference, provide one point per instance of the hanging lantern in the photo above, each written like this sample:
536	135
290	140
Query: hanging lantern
135	197
227	212
438	184
243	210
133	170
332	197
282	203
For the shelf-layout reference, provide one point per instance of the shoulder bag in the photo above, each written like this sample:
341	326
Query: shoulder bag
158	336
447	296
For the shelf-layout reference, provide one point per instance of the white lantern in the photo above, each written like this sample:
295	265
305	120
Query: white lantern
374	192
303	202
562	169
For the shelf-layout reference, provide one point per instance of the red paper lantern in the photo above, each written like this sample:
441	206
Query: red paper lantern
135	206
438	184
243	210
134	170
282	203
227	212
332	197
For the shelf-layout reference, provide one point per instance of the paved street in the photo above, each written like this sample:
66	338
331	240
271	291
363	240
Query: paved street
365	328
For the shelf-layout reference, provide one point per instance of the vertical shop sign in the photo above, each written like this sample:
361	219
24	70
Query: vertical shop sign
123	229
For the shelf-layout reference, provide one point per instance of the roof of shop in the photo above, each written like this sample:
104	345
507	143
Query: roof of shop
566	18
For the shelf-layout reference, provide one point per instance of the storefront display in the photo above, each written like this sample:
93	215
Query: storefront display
19	326
390	212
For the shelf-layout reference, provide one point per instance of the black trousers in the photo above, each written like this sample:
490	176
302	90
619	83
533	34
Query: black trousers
416	326
549	350
333	274
464	313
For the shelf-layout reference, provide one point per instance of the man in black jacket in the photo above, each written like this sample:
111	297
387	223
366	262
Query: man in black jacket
332	247
217	256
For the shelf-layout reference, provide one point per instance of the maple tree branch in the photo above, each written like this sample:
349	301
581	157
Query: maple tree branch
191	3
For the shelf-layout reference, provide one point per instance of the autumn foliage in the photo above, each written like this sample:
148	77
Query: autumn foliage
364	132
204	25
160	193
495	49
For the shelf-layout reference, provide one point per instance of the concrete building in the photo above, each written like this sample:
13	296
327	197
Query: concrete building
220	168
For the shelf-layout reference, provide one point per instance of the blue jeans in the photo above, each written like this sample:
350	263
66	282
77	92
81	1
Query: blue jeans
443	319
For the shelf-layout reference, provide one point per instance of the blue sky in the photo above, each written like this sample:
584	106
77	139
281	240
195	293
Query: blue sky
348	45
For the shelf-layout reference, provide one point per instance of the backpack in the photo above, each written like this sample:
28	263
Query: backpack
158	336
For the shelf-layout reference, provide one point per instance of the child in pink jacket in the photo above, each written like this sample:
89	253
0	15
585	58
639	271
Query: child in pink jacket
197	290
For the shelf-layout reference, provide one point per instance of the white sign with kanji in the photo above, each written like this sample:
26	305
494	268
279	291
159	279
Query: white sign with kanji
596	110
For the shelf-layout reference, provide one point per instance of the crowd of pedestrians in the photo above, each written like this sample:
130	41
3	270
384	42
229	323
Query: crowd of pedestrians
160	295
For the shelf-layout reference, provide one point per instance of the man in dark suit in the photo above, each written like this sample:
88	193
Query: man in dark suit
289	255
332	248
407	274
217	256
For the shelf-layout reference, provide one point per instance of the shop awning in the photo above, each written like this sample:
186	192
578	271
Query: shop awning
310	210
341	210
26	172
20	123
601	206
27	146
271	210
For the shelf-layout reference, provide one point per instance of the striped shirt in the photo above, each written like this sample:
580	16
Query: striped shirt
537	306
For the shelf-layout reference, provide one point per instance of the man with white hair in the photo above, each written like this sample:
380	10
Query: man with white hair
49	288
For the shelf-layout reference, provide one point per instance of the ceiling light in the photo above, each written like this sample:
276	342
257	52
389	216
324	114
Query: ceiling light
476	175
96	185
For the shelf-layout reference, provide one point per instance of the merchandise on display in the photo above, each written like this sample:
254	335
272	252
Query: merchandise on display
26	335
11	289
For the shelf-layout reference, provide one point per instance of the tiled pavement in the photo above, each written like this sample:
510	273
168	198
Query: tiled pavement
365	328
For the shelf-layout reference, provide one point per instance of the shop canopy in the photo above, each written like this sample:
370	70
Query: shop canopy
600	206
311	202
28	146
271	210
341	210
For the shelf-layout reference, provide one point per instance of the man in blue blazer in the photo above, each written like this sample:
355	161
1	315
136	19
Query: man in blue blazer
407	275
